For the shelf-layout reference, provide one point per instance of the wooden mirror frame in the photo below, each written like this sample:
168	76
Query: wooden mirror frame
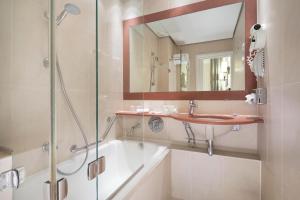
250	80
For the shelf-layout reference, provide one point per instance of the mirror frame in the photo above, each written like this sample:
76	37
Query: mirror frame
250	79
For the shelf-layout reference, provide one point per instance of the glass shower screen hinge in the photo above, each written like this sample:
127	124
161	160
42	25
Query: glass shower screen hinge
12	178
61	191
96	167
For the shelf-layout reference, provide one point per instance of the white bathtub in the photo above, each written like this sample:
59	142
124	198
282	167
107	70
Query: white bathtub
126	164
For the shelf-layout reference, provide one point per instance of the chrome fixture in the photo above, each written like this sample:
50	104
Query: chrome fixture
236	128
75	149
209	133
192	106
156	124
132	129
152	70
210	147
12	178
75	117
190	133
110	121
74	10
68	9
261	96
46	147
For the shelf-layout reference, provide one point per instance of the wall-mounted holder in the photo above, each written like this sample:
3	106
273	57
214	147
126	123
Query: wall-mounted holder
259	97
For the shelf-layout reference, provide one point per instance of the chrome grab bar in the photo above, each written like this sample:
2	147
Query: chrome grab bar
75	149
190	133
111	121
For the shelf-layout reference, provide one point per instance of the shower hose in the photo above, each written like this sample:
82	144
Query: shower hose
75	116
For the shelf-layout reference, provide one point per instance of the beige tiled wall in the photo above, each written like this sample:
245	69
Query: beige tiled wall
24	81
279	136
156	184
196	175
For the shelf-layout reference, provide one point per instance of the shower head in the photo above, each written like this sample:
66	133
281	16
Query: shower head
72	9
68	9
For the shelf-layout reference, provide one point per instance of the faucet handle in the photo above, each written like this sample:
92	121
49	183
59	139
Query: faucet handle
192	103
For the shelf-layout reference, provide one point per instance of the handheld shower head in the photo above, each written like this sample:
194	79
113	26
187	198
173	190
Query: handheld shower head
68	9
72	9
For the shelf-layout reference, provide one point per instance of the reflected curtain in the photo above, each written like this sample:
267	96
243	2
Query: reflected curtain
214	73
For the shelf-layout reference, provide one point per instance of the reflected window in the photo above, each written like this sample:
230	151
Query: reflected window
214	72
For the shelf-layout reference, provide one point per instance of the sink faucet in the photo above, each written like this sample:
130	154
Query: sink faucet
192	106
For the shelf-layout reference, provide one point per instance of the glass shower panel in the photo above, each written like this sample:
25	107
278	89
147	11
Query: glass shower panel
123	142
75	94
25	97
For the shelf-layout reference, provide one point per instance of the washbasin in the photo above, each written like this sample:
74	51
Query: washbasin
217	119
211	117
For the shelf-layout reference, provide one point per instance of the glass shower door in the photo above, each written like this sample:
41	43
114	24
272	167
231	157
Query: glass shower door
48	99
76	99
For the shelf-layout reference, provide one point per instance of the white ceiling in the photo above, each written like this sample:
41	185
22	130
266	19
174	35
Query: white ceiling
213	24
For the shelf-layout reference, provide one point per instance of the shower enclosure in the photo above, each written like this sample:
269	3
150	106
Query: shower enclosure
58	99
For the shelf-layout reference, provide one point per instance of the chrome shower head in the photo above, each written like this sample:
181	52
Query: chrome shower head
72	9
68	9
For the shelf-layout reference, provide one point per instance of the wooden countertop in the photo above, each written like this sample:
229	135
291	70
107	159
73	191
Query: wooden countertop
212	119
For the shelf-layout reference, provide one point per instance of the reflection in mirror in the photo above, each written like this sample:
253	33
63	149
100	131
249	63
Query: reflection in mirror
201	51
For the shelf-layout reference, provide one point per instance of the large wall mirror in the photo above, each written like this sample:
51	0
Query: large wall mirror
196	51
